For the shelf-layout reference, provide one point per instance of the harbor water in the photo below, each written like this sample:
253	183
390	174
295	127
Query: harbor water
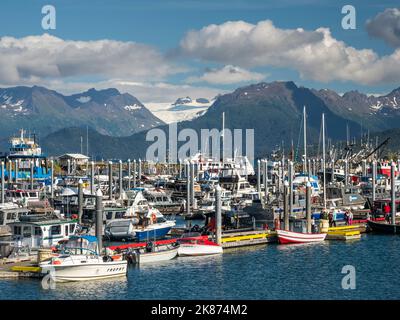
273	271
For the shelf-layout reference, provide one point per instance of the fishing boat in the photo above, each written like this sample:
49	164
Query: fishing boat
197	245
79	260
152	253
383	227
286	237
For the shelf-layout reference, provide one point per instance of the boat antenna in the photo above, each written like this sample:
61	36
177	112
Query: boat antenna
305	139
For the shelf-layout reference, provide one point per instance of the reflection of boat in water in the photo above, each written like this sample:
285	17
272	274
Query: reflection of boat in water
285	237
79	261
197	245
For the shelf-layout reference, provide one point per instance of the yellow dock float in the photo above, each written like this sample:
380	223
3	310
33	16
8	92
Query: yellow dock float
344	233
247	238
32	269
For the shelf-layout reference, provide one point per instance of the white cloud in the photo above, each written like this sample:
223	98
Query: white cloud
227	75
314	54
34	58
386	25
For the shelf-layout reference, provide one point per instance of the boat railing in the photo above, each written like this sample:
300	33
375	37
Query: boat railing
70	250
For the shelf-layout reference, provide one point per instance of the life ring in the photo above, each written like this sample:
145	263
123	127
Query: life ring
153	218
74	216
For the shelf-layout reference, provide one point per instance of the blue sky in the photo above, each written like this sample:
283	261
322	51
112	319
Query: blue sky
160	26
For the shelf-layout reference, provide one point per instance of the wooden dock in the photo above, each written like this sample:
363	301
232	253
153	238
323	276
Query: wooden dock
351	232
16	270
247	238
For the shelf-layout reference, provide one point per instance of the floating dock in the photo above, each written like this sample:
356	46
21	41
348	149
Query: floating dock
352	232
247	238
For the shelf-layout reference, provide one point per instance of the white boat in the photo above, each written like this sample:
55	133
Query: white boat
152	253
286	237
79	261
197	245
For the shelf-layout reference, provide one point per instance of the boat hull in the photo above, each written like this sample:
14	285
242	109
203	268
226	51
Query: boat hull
187	250
151	234
386	228
287	237
66	273
157	256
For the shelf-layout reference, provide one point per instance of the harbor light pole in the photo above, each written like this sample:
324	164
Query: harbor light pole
285	205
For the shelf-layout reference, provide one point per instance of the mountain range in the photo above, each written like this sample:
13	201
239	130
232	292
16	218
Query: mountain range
273	110
45	111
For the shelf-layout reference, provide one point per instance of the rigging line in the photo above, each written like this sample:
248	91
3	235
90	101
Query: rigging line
298	140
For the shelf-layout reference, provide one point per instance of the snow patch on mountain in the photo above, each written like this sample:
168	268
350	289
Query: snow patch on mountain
181	110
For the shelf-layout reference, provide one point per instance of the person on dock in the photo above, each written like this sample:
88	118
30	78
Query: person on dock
387	210
350	217
346	217
330	218
334	218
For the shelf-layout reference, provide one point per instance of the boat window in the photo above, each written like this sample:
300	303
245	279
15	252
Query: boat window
109	215
71	228
119	215
27	232
55	230
66	229
32	194
1	218
17	230
38	231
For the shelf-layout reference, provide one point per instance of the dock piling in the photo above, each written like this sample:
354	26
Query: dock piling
308	206
120	179
258	176
129	174
52	181
31	178
187	166
134	173
80	200
393	192
92	191
99	219
373	180
218	215
265	176
285	205
2	182
110	181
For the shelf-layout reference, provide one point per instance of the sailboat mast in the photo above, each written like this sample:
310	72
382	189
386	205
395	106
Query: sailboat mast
223	137
323	157
305	140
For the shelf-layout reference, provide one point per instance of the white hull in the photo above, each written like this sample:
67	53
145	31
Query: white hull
186	250
296	237
90	271
158	256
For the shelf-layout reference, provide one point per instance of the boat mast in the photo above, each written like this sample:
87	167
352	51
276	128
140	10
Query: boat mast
323	157
223	137
305	140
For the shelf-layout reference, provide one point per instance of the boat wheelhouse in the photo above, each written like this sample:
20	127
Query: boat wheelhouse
36	231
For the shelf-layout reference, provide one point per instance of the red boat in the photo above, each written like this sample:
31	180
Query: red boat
285	237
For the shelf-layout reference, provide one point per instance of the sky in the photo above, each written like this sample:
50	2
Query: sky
161	50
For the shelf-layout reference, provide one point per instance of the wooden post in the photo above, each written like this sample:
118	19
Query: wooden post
2	183
265	176
120	180
92	191
16	170
140	172
110	181
188	198
99	219
308	206
373	181
393	191
80	200
129	174
218	215
285	205
52	181
290	178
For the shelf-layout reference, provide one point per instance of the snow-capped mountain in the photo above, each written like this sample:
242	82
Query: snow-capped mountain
182	109
44	111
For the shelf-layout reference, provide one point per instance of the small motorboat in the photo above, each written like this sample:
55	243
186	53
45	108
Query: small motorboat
197	245
79	260
153	253
286	237
383	227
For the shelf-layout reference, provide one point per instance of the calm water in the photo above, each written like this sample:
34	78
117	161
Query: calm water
273	271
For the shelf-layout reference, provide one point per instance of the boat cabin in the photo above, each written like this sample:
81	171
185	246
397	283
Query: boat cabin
37	232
